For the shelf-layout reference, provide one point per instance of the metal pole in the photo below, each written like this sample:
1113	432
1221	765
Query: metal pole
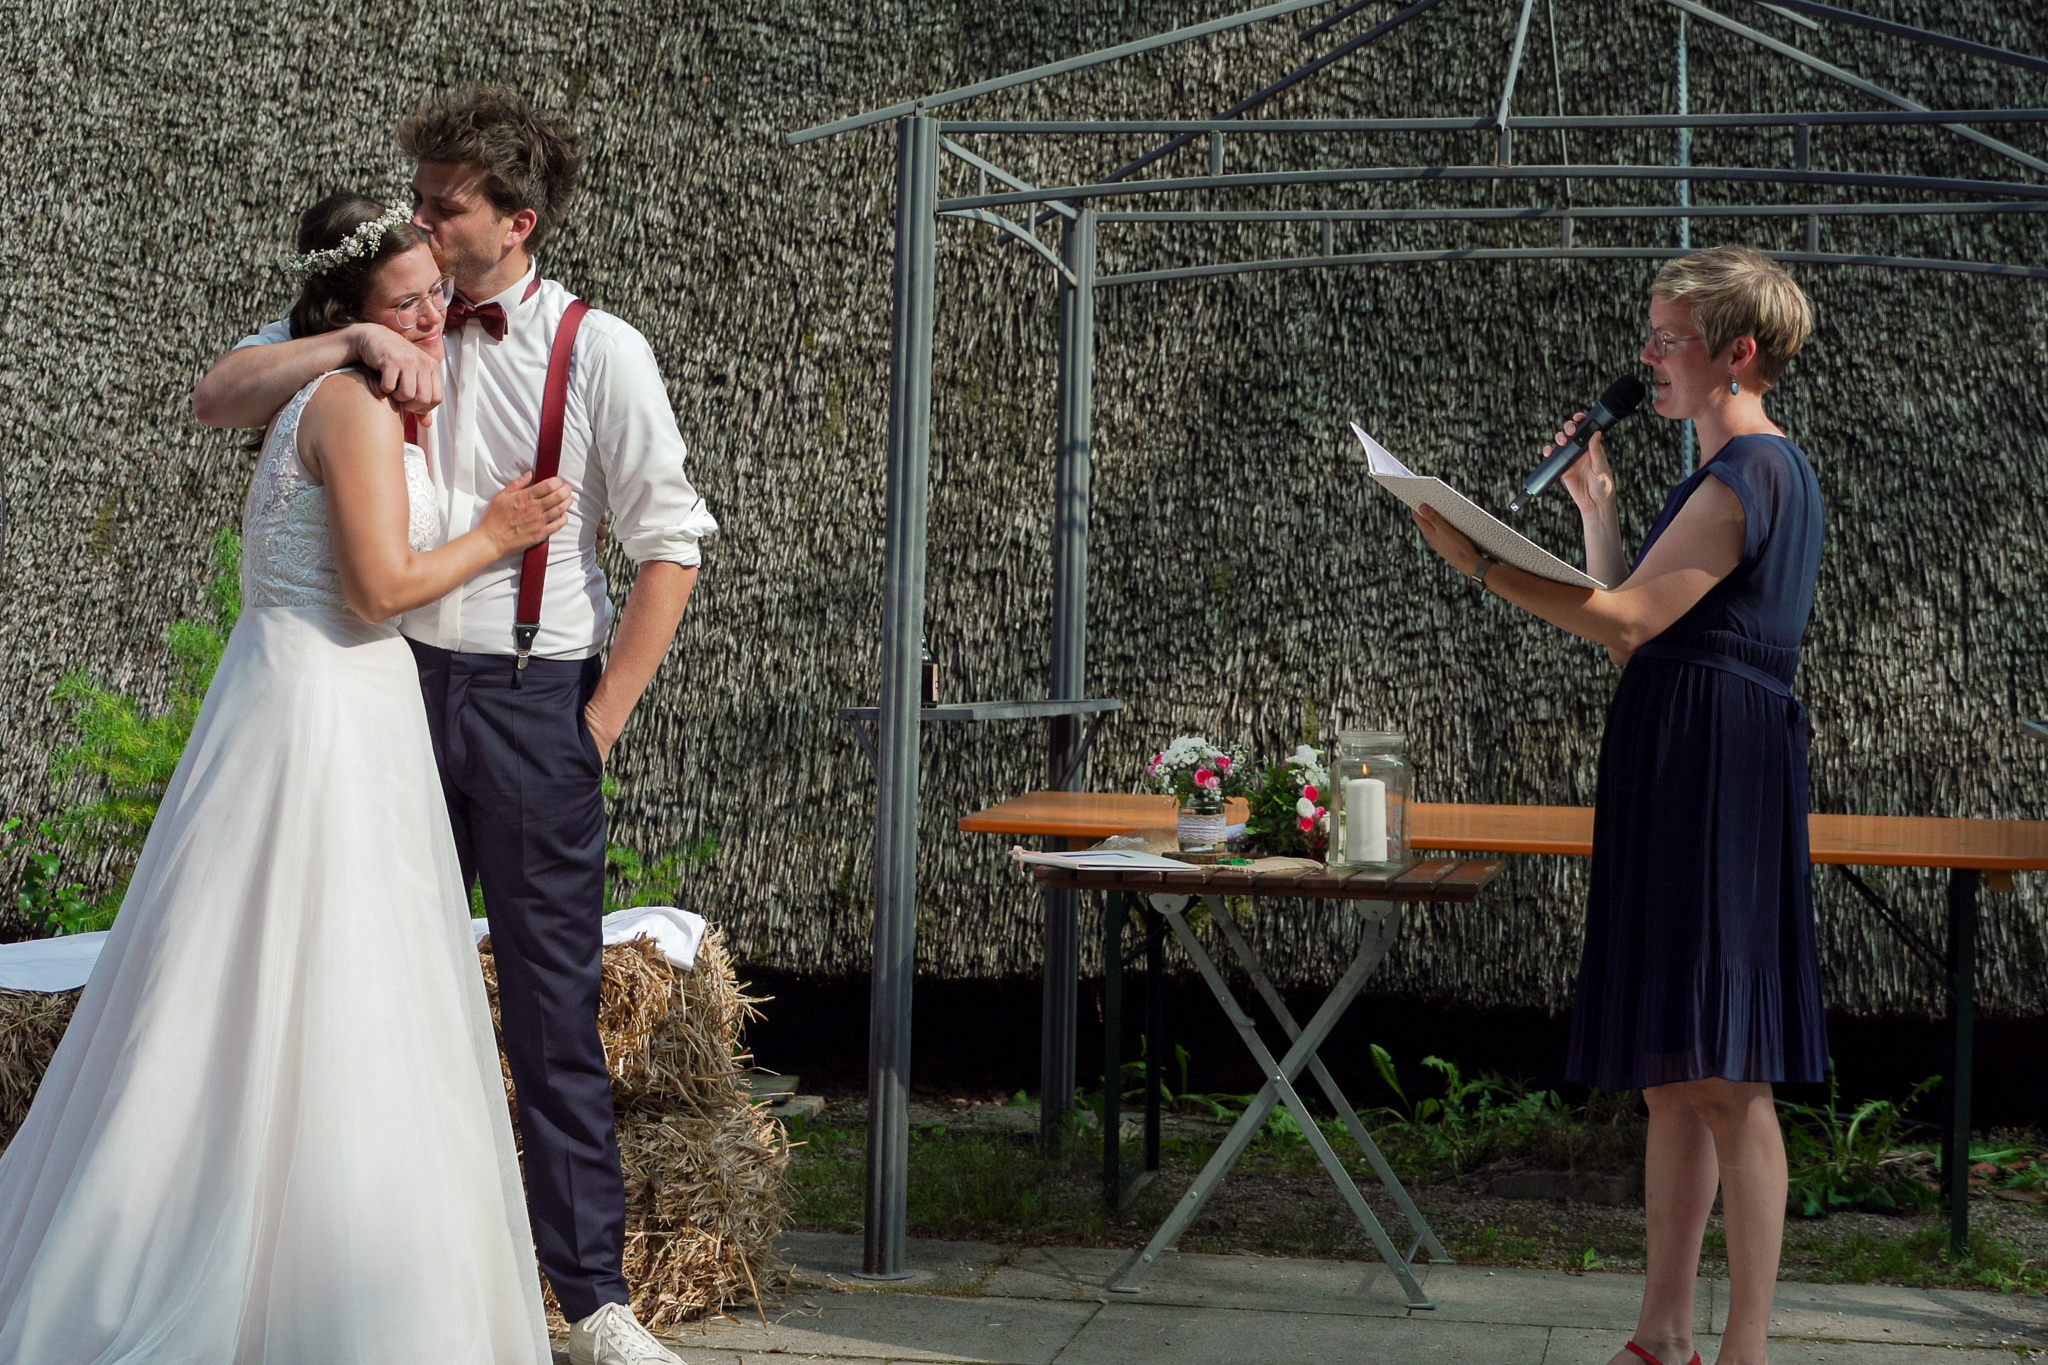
1155	1029
1962	1019
1069	675
896	757
1687	451
1802	159
1116	907
1503	154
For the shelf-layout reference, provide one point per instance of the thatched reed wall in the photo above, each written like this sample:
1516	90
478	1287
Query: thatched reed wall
1244	574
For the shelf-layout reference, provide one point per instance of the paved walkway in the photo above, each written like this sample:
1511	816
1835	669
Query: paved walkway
1047	1306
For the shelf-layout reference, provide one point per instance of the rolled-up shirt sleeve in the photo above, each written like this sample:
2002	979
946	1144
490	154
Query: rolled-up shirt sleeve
280	330
655	511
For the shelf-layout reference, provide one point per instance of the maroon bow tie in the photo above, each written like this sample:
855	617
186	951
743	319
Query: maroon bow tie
491	315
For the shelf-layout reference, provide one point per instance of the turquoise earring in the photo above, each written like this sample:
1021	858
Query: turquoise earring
1735	386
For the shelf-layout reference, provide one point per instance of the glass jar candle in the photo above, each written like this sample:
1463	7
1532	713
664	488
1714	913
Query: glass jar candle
1370	784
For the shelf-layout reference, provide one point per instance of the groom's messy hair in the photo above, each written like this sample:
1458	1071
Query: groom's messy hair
529	156
333	297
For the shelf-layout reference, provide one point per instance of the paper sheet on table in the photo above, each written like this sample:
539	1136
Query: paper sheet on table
1488	532
1097	858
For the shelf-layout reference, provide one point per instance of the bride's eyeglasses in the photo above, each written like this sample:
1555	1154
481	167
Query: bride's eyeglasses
409	309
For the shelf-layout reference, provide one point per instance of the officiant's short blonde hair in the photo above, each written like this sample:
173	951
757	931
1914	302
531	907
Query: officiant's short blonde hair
1737	292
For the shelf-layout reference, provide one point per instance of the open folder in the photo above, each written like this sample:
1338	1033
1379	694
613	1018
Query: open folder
1488	532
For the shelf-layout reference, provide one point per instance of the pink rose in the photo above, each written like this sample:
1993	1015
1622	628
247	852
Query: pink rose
1213	783
1202	777
1322	814
1223	762
1307	824
1309	791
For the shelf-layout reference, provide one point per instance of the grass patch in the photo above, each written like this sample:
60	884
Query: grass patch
1919	1258
971	1185
1494	1245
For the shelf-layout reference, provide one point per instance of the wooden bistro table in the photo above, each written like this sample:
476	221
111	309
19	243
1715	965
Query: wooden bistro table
1166	896
1971	851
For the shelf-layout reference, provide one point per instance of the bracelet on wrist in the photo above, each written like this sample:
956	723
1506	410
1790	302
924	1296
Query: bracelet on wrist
1479	571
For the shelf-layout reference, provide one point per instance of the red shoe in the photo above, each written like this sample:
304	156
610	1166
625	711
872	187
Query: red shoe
1654	1361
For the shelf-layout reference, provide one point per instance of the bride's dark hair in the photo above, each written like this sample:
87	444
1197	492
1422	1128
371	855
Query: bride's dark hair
333	298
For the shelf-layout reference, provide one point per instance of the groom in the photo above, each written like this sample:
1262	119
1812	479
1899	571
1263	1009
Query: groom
522	722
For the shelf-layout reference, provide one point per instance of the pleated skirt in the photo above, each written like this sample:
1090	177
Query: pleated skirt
1700	959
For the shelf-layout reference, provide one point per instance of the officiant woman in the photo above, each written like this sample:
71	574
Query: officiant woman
1700	983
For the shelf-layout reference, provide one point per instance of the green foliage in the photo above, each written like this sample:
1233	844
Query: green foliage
1223	1108
635	880
128	756
45	897
1472	1120
1854	1162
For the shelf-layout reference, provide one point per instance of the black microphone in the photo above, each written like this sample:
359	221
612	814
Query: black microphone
1623	397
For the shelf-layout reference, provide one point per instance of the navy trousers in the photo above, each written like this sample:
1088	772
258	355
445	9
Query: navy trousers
524	786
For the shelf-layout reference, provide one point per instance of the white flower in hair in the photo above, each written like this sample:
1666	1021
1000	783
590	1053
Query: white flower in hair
362	242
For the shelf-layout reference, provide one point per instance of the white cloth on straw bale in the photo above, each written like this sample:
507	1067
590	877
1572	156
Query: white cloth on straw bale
64	963
676	932
49	964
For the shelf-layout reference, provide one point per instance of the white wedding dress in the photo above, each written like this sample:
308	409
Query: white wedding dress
275	1133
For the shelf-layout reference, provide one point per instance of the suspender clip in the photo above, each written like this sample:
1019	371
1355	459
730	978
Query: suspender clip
522	645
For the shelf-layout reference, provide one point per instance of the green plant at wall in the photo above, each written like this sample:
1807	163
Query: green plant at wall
633	879
129	754
1855	1161
45	897
1471	1118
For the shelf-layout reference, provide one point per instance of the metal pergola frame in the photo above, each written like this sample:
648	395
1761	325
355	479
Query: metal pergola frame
922	138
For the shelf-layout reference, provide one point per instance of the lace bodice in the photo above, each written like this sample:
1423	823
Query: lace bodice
287	559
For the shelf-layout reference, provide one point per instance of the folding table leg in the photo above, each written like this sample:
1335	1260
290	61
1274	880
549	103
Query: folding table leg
1278	1088
1424	1235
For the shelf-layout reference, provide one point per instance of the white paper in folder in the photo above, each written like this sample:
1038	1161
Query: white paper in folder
1488	532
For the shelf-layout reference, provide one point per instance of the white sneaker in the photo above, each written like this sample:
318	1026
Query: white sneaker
612	1336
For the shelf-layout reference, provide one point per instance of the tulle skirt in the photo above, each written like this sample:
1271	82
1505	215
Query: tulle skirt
276	1131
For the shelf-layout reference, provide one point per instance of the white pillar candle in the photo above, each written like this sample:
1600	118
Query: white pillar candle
1365	820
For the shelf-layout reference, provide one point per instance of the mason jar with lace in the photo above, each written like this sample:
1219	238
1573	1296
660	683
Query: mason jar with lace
1370	785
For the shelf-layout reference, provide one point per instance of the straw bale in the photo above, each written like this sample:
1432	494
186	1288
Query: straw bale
704	1164
32	1023
1243	571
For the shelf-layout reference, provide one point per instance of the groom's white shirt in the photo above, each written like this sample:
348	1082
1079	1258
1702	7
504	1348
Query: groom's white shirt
621	453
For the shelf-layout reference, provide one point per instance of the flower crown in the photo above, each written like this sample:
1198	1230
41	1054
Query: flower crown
362	242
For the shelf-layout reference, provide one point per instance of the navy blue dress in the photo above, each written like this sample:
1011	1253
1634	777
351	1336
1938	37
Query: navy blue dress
1700	957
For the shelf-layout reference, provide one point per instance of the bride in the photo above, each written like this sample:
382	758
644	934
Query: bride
276	1130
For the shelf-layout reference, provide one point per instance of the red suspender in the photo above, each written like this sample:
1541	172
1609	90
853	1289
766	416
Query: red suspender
554	403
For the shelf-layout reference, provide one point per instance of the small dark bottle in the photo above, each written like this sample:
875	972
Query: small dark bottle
927	674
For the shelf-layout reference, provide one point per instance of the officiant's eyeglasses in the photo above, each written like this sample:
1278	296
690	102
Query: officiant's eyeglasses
1660	343
440	296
